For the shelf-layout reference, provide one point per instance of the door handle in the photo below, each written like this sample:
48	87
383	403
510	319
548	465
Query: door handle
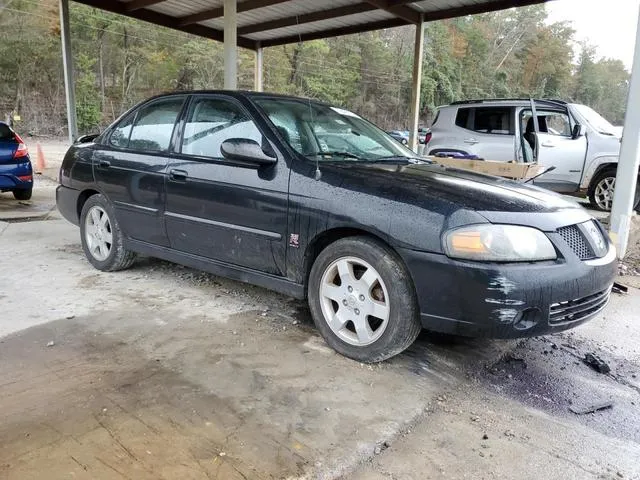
104	163
178	175
471	141
548	144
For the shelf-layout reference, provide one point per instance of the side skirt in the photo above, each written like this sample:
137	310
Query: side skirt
234	272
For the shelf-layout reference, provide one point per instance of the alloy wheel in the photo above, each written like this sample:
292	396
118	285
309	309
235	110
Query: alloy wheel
98	233
354	301
603	193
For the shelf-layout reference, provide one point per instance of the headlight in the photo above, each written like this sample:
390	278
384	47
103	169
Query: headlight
498	243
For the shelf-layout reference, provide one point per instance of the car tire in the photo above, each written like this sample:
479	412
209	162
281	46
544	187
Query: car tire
23	194
601	190
362	300
102	239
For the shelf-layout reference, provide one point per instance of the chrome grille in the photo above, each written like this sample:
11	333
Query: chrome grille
574	238
578	309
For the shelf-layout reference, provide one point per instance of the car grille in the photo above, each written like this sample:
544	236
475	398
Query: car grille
574	238
578	309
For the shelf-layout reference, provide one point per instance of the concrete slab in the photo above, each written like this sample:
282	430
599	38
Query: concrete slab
40	205
163	372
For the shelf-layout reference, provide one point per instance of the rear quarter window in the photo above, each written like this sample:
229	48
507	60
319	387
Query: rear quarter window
5	132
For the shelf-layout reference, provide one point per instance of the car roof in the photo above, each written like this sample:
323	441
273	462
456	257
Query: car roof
516	102
239	94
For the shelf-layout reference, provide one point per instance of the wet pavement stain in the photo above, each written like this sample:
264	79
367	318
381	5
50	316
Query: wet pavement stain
548	373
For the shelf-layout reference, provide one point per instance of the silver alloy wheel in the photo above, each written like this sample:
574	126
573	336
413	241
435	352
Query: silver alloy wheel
603	193
97	233
354	301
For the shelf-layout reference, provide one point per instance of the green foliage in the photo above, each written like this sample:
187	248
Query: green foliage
119	61
87	95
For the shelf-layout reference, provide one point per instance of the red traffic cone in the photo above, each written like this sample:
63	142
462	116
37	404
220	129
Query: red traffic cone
40	162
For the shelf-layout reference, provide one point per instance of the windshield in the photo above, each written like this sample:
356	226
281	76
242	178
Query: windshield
327	133
593	118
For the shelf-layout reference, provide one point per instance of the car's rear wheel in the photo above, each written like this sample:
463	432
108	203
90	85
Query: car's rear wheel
362	300
102	239
23	194
602	188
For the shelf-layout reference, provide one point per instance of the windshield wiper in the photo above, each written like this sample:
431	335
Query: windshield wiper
395	158
337	154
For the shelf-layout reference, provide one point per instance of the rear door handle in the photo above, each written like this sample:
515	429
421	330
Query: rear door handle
178	175
471	141
104	163
548	144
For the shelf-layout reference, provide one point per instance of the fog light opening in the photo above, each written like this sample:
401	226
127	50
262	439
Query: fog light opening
527	319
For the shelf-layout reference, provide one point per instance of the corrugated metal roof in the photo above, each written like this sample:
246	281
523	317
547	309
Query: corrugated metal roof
275	22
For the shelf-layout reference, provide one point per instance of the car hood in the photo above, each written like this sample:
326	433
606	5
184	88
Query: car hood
447	190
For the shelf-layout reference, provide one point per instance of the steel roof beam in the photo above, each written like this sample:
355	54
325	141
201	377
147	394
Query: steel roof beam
218	12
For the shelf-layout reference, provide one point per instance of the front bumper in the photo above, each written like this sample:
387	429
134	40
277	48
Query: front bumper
16	176
509	300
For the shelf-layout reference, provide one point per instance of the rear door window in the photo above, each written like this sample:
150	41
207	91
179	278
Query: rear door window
210	122
490	120
154	125
493	120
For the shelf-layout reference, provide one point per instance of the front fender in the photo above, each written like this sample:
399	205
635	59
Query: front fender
594	166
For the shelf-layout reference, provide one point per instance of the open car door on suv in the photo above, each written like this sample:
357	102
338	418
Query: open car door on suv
552	143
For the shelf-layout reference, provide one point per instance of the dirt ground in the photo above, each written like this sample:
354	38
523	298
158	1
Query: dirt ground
163	372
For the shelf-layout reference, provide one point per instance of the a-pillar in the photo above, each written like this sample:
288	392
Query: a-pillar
67	63
416	85
627	176
230	45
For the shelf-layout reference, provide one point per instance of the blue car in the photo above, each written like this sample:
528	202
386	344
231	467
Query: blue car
16	173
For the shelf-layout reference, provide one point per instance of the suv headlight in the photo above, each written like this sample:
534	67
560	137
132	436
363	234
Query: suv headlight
498	243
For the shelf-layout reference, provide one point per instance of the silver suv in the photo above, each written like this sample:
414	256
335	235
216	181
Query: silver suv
576	140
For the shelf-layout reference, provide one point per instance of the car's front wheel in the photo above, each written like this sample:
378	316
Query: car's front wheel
362	300
602	188
102	239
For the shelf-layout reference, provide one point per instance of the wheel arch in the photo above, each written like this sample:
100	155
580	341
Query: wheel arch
323	239
601	168
82	199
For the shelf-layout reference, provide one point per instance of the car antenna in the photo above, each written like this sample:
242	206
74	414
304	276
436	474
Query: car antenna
318	173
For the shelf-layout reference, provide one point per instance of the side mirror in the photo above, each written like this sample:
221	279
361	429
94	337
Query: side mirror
87	138
578	131
246	150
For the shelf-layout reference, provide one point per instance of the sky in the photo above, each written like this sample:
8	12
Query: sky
609	25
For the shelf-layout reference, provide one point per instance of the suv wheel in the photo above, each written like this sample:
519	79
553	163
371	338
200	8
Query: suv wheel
602	188
362	300
102	239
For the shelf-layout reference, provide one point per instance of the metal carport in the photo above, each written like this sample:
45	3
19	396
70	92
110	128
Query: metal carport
256	24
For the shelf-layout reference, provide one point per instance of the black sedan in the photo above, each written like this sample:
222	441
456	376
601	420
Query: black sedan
313	201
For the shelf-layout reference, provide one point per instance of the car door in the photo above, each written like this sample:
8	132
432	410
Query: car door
557	148
129	168
220	209
488	132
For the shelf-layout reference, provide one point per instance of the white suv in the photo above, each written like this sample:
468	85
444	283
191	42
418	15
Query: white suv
581	145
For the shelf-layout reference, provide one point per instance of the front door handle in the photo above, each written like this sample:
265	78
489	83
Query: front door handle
178	175
471	141
548	144
104	163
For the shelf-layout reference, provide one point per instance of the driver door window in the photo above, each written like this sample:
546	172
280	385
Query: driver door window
210	122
